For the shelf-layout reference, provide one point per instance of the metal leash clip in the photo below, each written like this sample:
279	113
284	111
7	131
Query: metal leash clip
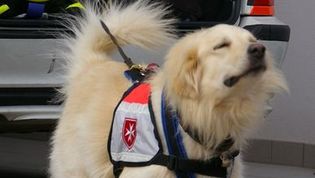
227	157
139	67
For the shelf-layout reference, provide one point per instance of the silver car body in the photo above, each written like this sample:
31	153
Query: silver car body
34	63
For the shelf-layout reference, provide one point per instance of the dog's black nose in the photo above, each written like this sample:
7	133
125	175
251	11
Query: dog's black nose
256	51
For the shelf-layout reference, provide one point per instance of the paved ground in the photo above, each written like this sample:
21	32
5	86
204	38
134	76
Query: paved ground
25	156
255	170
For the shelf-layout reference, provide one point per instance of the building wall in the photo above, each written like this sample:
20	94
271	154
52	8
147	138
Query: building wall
293	118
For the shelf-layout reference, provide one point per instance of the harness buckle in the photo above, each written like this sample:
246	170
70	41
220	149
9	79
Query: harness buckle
172	163
138	67
227	157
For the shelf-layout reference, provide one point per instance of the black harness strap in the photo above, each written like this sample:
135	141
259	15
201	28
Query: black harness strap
212	167
225	145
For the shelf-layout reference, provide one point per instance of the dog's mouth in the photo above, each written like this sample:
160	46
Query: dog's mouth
252	70
256	64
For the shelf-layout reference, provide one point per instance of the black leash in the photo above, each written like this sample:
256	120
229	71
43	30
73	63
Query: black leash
127	60
136	73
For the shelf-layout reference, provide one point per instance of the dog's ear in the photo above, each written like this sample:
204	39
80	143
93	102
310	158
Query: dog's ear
188	77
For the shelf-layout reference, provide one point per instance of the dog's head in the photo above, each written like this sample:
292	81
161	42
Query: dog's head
221	64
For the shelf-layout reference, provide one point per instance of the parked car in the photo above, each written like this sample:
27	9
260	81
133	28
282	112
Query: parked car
31	69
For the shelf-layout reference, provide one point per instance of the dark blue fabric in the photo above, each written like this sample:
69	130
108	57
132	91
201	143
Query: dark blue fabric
166	134
35	10
178	137
179	140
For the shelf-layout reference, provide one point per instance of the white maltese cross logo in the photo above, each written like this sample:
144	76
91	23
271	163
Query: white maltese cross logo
129	132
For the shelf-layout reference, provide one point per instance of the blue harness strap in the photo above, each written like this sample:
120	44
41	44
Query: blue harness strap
173	136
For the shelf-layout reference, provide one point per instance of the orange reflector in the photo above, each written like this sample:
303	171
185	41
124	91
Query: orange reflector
263	10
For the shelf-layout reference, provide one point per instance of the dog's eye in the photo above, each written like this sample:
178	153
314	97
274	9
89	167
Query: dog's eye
222	45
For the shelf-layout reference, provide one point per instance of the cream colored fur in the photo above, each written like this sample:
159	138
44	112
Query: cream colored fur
192	77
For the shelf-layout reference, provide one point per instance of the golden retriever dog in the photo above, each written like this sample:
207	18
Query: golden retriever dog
218	79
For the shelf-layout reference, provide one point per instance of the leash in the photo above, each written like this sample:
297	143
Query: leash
127	59
136	72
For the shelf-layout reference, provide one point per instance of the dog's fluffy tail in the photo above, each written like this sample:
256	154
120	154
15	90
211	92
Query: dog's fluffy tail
140	23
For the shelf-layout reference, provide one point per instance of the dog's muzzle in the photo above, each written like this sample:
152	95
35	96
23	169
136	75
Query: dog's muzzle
257	63
256	56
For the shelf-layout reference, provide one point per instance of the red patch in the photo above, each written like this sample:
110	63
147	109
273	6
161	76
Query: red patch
139	95
129	132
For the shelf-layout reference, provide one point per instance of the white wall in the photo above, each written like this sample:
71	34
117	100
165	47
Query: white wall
293	118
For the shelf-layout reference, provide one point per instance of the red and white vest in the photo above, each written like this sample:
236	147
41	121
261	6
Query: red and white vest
133	137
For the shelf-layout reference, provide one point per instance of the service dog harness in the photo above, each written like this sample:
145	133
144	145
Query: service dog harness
134	140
